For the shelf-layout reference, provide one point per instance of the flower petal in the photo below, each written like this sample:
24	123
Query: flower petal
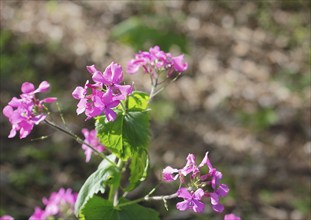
13	132
231	217
179	64
92	69
214	198
81	106
28	87
190	166
49	99
25	130
98	77
198	206
167	174
117	73
7	111
182	206
43	87
111	115
198	194
184	193
78	93
206	161
218	208
222	190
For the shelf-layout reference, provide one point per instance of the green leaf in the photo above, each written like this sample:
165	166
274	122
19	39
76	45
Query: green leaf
128	136
106	174
129	133
100	209
136	131
138	101
105	163
140	32
138	167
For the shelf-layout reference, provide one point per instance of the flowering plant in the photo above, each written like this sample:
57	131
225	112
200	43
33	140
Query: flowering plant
121	138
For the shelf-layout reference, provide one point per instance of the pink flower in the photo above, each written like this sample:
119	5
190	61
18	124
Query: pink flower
91	139
113	75
96	102
92	69
105	103
232	217
209	182
191	201
179	64
167	174
6	217
156	61
38	214
112	78
216	205
190	167
104	95
219	190
28	88
27	111
59	203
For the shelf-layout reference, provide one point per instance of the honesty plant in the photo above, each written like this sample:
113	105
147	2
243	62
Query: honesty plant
156	61
200	185
105	94
121	138
59	205
27	111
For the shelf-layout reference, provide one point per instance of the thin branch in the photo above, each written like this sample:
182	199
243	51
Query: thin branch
148	198
172	196
153	92
78	139
61	115
154	84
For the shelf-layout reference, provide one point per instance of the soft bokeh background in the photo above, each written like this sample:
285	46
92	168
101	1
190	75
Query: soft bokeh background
245	97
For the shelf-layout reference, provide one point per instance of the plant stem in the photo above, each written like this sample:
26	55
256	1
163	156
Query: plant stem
114	189
123	107
148	198
78	139
154	84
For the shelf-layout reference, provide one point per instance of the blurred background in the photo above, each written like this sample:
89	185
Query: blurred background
245	97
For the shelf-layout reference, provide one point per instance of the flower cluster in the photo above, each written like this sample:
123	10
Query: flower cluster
6	217
231	217
200	185
156	61
60	204
103	95
27	111
91	139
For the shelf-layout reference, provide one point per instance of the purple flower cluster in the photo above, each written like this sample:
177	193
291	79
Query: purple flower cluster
27	111
156	61
6	217
105	94
91	139
201	185
231	217
60	204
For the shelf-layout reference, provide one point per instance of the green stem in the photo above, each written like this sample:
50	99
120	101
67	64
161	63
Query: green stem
123	107
78	139
114	189
148	198
155	83
111	193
